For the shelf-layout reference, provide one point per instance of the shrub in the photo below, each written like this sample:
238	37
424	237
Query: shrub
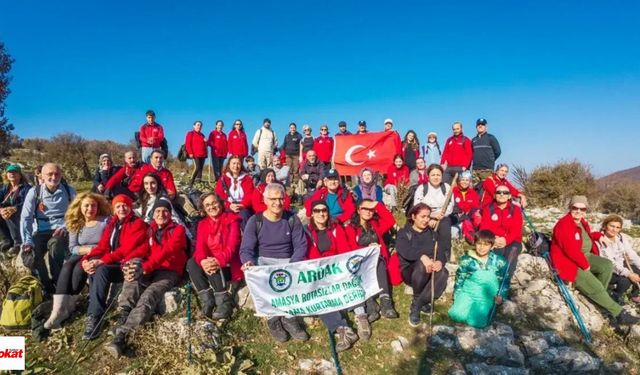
622	199
555	184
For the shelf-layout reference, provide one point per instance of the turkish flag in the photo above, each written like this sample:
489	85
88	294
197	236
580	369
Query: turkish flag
374	150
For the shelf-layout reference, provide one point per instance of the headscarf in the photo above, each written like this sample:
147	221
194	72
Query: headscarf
368	189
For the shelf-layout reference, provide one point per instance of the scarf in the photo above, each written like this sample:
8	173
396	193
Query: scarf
368	189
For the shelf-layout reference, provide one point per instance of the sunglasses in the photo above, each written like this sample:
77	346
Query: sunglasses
320	211
367	209
503	192
582	209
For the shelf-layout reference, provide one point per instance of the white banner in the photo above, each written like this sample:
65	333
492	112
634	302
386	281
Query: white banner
314	287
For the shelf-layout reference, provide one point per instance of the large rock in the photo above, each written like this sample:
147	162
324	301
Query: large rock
485	369
564	360
204	335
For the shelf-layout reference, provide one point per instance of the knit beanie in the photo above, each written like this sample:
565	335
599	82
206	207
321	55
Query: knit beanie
121	198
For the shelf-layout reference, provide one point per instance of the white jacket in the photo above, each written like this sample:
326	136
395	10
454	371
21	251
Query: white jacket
616	251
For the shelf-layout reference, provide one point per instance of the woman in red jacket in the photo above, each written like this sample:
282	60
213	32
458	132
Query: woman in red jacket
215	260
237	142
397	175
326	238
368	226
124	238
235	188
219	148
196	145
576	258
468	207
147	279
490	184
267	176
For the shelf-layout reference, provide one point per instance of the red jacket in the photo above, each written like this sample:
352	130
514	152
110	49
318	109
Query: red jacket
337	236
467	201
132	243
566	247
245	183
135	185
396	176
457	152
489	186
397	144
168	254
125	172
218	144
220	238
237	143
423	177
151	135
347	204
381	225
257	200
323	146
502	223
196	144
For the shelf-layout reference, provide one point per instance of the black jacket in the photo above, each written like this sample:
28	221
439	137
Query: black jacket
411	245
486	150
291	144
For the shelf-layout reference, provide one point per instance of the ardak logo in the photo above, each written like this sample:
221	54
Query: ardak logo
12	353
280	280
354	263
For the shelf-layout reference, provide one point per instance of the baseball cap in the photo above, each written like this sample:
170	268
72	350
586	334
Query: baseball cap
13	168
362	123
341	124
332	173
481	121
390	121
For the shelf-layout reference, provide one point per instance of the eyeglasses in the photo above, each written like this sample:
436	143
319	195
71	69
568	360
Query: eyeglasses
324	130
582	209
320	211
237	123
503	192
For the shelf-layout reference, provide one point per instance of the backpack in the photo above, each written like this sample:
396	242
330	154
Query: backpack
21	300
136	137
290	217
182	154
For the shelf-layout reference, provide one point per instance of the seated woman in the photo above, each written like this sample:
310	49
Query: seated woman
419	175
12	195
124	238
235	187
419	268
153	190
489	185
257	200
616	247
367	188
576	258
479	283
397	175
467	208
435	197
368	226
86	219
215	262
148	278
327	238
105	170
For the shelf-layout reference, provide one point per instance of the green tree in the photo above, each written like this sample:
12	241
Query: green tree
6	128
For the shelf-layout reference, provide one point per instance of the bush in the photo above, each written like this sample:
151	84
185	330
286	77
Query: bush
622	199
554	185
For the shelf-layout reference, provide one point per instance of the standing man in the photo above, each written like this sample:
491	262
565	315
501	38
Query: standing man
486	150
457	154
264	143
397	142
151	136
275	237
323	145
46	205
219	147
362	127
342	129
291	147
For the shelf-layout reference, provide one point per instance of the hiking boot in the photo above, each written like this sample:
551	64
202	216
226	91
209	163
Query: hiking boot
346	338
276	330
123	314
386	308
425	309
207	302
372	309
5	245
414	314
363	327
295	329
92	328
12	252
626	319
224	305
117	346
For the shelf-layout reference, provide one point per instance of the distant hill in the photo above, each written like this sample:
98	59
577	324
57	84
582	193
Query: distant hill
626	175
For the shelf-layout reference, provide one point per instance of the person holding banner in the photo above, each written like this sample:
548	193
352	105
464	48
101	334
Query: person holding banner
275	237
326	238
415	243
339	200
367	227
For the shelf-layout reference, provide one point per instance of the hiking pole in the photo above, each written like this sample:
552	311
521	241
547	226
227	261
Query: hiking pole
443	210
334	353
503	285
189	328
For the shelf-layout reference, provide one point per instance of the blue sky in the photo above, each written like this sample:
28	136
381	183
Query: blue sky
556	80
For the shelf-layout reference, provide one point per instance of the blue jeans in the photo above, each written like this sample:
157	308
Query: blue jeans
99	290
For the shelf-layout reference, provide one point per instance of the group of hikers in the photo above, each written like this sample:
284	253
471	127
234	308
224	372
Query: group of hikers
137	229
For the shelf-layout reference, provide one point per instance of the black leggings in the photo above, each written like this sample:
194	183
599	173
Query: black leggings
197	173
622	283
219	281
217	165
383	278
72	276
420	281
